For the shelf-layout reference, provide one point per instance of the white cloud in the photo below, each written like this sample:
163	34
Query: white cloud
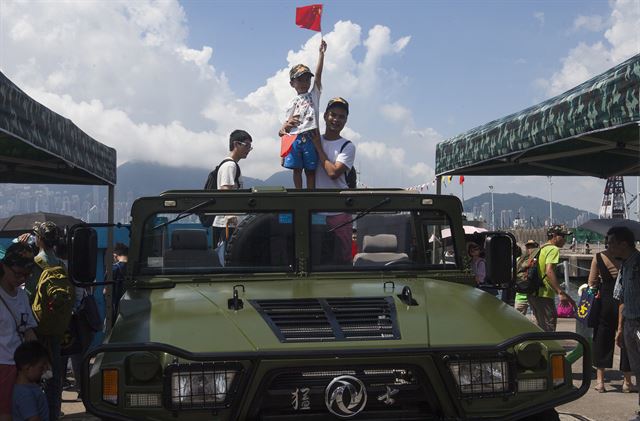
396	113
539	16
622	40
124	73
592	23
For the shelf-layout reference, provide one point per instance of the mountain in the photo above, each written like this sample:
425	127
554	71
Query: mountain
137	179
532	209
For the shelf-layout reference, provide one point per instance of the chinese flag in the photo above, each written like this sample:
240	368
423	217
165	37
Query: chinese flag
462	179
309	17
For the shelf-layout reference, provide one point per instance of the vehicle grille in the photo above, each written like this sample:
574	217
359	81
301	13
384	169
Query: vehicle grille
330	319
392	393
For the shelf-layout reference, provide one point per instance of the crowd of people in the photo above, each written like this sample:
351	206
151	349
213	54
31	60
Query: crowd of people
45	322
614	279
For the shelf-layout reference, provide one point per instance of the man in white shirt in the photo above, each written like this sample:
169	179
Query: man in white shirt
335	153
335	157
229	177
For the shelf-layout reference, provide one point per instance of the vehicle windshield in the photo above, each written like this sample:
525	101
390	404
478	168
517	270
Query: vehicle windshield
266	242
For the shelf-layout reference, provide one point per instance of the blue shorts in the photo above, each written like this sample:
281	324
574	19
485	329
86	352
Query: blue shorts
302	154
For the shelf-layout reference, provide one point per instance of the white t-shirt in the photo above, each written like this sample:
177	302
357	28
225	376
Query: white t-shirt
9	338
226	177
306	107
346	157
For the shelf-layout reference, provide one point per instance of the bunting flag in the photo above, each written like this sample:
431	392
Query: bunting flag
308	17
461	181
449	177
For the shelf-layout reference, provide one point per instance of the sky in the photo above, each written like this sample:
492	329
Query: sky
167	81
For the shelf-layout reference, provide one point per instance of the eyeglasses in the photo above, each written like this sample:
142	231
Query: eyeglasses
245	144
19	274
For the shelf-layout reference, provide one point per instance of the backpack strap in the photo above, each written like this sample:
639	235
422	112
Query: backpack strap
342	149
15	319
343	145
238	172
535	257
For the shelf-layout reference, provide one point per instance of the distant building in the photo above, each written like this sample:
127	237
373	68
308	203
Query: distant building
485	211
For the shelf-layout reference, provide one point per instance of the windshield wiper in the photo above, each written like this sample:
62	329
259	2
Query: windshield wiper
363	213
186	213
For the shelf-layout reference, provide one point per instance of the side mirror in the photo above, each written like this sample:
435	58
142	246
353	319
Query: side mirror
500	259
83	252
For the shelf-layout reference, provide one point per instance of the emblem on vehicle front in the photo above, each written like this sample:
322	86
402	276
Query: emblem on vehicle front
345	396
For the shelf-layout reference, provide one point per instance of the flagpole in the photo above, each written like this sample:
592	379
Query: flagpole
462	187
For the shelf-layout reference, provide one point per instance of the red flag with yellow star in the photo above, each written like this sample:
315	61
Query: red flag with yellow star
309	17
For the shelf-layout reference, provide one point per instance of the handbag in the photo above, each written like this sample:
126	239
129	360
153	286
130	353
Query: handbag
584	313
590	308
565	310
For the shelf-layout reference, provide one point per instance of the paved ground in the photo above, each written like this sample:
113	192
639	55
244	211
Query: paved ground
610	406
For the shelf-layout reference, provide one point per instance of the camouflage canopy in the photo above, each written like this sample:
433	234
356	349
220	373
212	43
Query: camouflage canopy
40	146
592	129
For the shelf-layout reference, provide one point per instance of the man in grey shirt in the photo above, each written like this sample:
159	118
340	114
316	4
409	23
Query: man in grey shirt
621	242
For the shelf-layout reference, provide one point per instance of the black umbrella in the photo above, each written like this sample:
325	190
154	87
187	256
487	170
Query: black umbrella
601	226
24	222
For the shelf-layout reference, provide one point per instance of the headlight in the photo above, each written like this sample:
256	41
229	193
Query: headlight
481	377
208	385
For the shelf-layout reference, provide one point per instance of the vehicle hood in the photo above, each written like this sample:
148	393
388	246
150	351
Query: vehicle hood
196	316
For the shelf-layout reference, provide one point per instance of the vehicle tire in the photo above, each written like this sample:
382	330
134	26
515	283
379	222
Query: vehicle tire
548	415
260	240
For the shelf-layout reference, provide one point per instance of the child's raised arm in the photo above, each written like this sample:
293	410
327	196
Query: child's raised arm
318	80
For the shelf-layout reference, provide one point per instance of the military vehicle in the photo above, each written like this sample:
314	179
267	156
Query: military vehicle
355	304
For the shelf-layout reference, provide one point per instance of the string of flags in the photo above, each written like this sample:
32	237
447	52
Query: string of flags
445	182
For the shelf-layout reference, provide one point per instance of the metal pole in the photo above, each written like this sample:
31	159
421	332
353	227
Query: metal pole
493	220
550	202
108	258
566	275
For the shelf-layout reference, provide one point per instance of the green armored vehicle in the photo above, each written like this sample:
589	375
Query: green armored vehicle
321	305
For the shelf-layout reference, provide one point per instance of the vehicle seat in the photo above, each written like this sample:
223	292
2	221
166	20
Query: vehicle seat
189	249
378	250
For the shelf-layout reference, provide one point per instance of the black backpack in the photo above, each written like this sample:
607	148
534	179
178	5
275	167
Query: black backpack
350	176
212	184
528	280
212	179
